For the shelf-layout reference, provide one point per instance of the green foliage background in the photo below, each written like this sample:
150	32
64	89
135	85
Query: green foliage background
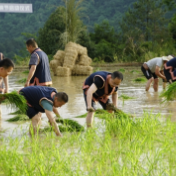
101	17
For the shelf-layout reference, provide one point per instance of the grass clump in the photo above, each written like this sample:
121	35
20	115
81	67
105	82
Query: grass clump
134	71
19	117
169	93
121	70
22	81
140	80
15	100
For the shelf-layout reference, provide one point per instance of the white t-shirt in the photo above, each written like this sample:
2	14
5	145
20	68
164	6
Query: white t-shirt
157	61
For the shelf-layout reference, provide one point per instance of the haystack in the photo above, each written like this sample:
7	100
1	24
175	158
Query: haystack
81	70
63	71
84	60
73	60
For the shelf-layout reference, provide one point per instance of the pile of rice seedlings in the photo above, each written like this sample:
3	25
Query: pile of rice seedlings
19	117
170	92
71	125
139	80
121	70
22	81
65	125
15	100
25	72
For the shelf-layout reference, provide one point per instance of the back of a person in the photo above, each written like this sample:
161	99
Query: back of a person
157	61
172	63
42	74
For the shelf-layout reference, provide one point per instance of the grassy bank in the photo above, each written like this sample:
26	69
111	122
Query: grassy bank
124	146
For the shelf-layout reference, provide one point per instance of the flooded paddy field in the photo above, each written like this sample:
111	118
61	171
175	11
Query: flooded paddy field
131	147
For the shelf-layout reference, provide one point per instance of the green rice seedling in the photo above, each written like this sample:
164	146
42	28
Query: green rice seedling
140	80
121	70
70	124
25	72
81	116
15	113
169	93
125	97
19	117
22	81
15	100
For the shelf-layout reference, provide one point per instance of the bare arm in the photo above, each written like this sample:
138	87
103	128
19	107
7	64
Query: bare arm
158	73
53	122
115	98
90	92
6	82
55	110
30	75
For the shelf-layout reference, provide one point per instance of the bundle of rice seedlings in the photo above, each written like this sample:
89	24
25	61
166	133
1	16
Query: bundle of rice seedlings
19	117
26	72
121	70
22	81
66	125
169	93
82	70
71	124
63	71
84	60
71	55
15	100
139	80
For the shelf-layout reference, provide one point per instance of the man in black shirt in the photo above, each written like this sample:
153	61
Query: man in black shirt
97	87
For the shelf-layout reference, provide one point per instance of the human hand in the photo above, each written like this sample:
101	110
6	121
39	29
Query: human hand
26	84
90	109
6	90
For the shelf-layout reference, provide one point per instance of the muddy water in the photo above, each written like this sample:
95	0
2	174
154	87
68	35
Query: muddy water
73	87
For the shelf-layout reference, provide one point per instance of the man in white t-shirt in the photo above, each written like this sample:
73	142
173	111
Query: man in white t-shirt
153	69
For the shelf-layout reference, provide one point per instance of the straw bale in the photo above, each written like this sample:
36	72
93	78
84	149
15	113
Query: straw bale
54	64
82	70
84	60
70	44
70	58
81	50
63	71
59	55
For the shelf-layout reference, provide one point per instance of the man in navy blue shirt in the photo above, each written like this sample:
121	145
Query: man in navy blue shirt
39	70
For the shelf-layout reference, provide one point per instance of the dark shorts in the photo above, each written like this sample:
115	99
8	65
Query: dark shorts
168	75
93	102
31	112
148	74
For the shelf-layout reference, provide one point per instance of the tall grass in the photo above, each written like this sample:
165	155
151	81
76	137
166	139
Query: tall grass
125	146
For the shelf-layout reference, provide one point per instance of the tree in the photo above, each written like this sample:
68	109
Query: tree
144	23
49	35
73	23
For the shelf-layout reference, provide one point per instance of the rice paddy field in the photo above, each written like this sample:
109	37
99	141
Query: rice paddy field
140	143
